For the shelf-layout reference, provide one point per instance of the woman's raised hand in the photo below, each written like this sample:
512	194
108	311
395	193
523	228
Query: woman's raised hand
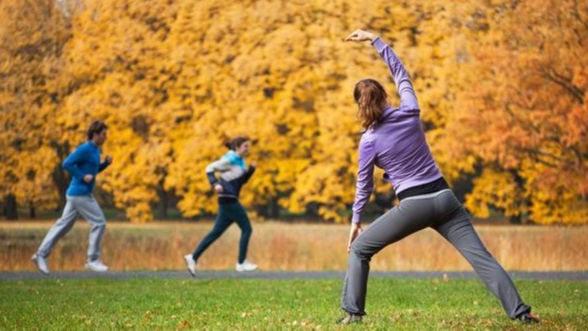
360	35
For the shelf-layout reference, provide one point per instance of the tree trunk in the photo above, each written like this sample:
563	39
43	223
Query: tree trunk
32	211
520	181
312	210
10	207
273	208
516	219
162	205
60	179
269	210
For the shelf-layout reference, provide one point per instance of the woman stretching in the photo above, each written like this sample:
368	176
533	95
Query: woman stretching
233	175
395	141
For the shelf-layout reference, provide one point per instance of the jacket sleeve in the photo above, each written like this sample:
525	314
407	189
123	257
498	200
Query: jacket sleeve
220	165
248	174
103	166
365	178
408	99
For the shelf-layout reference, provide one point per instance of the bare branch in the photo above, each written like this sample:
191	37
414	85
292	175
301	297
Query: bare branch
565	83
576	13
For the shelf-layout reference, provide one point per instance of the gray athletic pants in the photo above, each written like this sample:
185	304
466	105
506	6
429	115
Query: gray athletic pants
85	206
444	213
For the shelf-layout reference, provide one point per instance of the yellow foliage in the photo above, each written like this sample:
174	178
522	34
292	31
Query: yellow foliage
498	189
173	80
524	112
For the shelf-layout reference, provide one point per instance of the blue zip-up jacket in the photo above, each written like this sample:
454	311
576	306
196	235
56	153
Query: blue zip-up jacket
85	160
233	174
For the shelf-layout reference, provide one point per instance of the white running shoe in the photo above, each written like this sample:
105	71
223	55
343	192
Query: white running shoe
96	266
245	266
191	264
41	263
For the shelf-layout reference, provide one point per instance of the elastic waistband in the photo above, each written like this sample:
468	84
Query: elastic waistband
68	196
430	187
427	196
227	200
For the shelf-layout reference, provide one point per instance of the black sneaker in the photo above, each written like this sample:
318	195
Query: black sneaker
528	318
350	319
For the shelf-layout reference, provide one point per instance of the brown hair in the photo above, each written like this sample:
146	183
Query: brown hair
371	99
95	128
236	142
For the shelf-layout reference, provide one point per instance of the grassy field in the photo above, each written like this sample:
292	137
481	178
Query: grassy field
423	304
283	246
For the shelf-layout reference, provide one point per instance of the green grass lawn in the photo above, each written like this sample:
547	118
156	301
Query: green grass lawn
423	304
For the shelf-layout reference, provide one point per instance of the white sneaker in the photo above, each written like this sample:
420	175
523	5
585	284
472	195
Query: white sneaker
245	266
41	263
191	264
97	266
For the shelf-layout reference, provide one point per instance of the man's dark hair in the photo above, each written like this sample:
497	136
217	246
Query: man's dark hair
95	128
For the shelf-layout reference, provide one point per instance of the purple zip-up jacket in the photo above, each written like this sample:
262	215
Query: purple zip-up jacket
396	144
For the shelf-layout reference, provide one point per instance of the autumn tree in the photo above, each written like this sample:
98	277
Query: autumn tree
524	114
32	36
174	79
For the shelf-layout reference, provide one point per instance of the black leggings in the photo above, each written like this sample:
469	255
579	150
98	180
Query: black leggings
227	214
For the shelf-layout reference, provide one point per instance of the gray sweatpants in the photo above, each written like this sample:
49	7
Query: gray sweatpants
87	207
444	213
